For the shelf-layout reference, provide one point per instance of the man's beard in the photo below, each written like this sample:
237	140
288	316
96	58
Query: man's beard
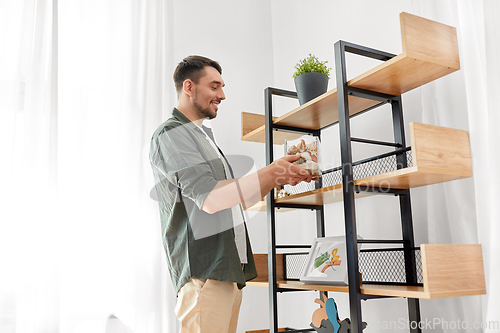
206	112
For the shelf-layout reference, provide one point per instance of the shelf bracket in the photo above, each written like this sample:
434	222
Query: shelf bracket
290	129
366	51
378	190
380	143
368	94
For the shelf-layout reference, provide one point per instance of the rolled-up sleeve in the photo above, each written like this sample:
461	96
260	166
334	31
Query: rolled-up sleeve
184	165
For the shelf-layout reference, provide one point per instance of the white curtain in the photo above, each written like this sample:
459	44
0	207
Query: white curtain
467	211
80	97
114	91
481	58
28	171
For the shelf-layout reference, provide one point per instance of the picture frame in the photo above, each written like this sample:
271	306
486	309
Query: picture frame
326	262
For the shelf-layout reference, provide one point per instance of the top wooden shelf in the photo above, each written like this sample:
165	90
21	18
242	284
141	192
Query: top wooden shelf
430	51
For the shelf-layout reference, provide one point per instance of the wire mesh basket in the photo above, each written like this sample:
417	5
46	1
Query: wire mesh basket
377	266
388	266
294	264
361	169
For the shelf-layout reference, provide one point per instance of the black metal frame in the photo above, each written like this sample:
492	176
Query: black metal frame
271	206
348	188
343	91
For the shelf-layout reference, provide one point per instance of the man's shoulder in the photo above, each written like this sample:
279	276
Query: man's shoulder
167	125
176	121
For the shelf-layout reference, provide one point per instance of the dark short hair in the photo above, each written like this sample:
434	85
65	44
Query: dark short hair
191	68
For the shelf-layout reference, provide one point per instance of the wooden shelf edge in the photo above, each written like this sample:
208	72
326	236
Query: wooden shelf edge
406	178
301	286
254	136
282	120
257	284
395	291
253	129
419	70
374	289
413	177
367	289
315	114
452	65
458	293
324	196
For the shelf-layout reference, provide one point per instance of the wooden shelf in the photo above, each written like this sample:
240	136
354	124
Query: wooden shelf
430	51
322	196
448	271
316	114
439	155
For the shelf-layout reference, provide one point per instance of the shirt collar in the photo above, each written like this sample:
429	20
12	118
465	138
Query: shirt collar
185	121
180	117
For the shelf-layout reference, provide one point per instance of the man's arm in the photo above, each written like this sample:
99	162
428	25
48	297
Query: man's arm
254	187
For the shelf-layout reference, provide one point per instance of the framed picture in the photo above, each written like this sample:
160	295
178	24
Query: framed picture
327	262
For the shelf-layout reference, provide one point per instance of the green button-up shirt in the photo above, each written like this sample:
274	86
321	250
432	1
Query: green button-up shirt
197	244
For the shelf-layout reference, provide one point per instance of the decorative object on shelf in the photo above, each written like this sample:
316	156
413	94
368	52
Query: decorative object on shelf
308	148
311	78
282	194
327	262
326	318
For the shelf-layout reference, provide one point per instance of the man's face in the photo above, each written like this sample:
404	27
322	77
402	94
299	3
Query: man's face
208	93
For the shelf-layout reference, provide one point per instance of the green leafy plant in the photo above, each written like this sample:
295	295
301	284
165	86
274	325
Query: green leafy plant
321	259
311	64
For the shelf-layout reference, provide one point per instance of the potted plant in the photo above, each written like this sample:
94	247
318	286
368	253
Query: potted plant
311	78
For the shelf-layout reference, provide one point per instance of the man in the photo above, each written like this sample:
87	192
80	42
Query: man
204	234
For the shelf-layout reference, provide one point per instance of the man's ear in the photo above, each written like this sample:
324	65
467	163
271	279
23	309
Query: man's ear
187	87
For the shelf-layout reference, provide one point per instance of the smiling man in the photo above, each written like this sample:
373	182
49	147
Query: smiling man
203	226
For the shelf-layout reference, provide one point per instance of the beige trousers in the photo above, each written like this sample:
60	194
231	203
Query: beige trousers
208	306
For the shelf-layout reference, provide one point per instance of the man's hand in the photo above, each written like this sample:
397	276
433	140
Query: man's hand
288	173
252	188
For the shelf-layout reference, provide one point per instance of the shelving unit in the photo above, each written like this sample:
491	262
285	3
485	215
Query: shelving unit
438	154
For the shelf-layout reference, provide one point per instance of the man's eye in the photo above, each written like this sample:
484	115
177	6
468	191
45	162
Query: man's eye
214	88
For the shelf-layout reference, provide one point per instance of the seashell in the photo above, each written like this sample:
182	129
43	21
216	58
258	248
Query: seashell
302	146
306	156
292	150
312	147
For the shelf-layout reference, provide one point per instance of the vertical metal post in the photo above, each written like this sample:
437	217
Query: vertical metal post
320	222
348	189
398	127
320	227
320	213
320	216
271	226
406	216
